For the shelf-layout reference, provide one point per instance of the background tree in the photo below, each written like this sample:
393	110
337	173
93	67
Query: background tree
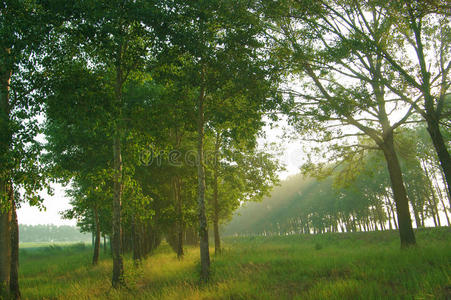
344	86
225	50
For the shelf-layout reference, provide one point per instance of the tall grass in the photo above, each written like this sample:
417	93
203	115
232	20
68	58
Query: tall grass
330	266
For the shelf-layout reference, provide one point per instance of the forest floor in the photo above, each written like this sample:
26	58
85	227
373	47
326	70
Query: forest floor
329	266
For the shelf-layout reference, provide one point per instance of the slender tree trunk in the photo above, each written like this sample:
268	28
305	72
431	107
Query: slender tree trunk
104	244
416	214
5	240
215	196
394	217
440	196
432	114
118	265
432	200
390	227
422	217
14	277
445	210
5	201
406	233
434	208
440	147
448	192
110	241
179	212
136	241
95	256
203	228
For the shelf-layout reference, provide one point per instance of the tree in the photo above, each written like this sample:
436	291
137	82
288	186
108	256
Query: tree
344	85
90	193
222	40
239	172
24	26
421	28
116	37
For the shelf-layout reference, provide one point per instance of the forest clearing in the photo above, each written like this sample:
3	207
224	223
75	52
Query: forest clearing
329	266
156	123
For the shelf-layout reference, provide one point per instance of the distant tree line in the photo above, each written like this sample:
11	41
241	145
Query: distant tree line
51	233
354	195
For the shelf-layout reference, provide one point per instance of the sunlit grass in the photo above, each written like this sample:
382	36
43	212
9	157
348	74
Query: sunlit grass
332	266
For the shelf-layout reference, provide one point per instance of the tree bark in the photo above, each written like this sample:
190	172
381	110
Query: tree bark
95	256
5	240
440	197
203	227
179	211
406	233
5	144
416	214
447	190
433	202
440	147
136	239
14	276
118	264
215	196
432	114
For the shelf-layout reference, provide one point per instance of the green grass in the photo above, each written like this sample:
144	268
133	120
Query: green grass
330	266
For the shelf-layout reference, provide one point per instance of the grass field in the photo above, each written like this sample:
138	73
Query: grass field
330	266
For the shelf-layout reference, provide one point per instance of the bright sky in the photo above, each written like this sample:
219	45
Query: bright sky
53	205
292	158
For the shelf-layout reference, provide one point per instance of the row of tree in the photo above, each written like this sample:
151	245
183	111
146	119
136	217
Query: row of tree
137	94
142	102
356	197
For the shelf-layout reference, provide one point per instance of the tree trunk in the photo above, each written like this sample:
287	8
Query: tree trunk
110	241
215	196
406	233
444	209
432	201
440	147
432	115
136	241
176	188
434	208
104	244
389	219
5	144
440	197
203	228
394	217
118	264
416	214
447	190
14	276
95	256
5	240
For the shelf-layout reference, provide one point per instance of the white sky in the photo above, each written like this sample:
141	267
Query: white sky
31	215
